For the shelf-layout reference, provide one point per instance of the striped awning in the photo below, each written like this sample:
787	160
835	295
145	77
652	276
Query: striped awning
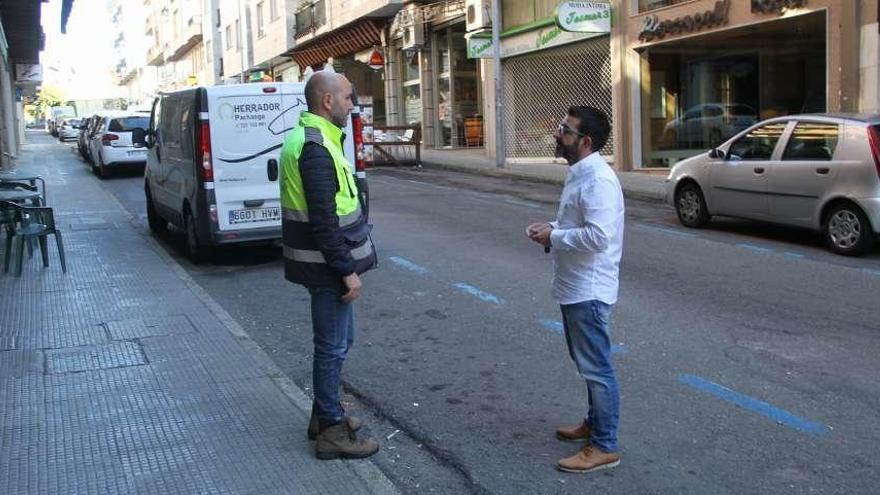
341	42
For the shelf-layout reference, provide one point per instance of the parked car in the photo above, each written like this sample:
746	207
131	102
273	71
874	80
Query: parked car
68	129
110	145
212	167
85	130
56	115
709	124
819	171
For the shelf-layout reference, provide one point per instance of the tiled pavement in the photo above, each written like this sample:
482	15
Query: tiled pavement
123	376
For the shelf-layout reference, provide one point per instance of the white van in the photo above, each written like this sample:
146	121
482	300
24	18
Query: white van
213	161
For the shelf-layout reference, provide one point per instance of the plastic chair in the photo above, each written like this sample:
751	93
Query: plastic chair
34	222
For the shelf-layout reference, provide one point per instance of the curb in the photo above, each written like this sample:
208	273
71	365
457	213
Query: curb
629	193
366	470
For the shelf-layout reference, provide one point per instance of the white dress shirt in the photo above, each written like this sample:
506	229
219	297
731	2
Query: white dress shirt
587	236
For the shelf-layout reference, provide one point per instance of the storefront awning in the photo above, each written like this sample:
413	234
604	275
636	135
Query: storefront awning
342	42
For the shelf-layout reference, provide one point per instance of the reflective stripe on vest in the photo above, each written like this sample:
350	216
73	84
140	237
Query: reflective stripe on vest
302	216
309	256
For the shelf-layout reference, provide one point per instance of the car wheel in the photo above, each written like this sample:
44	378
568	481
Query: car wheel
156	222
195	250
103	171
847	231
690	205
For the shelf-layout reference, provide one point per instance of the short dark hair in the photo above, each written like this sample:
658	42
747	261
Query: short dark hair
593	123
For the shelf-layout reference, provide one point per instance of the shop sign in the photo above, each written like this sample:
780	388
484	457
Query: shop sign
653	28
377	61
540	39
479	47
28	73
584	17
776	6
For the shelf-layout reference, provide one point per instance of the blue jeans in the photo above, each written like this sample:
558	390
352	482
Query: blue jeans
586	333
333	329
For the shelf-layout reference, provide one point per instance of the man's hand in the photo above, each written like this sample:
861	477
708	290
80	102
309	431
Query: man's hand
353	283
540	233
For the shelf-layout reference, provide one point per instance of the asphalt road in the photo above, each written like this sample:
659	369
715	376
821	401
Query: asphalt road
747	354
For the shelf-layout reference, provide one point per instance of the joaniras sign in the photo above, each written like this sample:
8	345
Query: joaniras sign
775	6
653	28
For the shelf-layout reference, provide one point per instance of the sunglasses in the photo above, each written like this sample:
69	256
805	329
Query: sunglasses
563	128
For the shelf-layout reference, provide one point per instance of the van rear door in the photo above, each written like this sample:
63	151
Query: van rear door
245	137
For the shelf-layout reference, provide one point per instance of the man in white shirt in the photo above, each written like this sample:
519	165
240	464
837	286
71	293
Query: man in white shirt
587	241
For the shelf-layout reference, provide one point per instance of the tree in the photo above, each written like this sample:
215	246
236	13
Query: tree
49	96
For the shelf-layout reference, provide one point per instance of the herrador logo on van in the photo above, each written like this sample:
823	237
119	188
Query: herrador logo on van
247	111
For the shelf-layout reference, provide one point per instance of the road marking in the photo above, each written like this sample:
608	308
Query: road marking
779	415
409	265
527	204
757	249
871	271
665	230
480	294
556	327
789	254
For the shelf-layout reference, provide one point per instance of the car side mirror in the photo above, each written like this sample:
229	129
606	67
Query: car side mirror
717	154
139	137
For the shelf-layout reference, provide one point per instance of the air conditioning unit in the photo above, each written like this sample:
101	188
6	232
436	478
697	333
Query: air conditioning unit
414	31
478	14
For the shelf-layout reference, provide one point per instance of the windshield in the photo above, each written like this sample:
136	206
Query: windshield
128	124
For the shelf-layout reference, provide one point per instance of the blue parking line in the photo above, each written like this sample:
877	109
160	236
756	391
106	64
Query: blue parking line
871	271
409	265
479	294
556	327
789	254
665	230
776	414
757	249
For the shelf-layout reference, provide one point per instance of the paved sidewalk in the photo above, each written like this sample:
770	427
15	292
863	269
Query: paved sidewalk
636	185
123	376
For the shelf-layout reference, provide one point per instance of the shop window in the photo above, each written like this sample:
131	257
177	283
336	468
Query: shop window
812	141
757	144
702	91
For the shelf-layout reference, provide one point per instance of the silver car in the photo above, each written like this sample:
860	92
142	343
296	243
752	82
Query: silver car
820	171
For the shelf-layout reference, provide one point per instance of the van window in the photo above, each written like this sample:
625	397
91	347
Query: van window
812	141
128	124
169	126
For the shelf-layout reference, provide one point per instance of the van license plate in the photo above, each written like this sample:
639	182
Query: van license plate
250	215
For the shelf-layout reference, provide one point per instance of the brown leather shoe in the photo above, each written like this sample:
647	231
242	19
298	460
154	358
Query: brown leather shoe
588	459
354	423
580	433
340	440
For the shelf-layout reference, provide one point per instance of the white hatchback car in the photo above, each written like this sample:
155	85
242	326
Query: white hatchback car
111	144
818	171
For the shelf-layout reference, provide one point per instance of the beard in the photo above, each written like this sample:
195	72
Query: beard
569	152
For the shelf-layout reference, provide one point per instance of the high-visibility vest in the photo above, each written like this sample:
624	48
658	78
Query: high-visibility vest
304	263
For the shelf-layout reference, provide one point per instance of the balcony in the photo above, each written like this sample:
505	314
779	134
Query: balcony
155	56
190	36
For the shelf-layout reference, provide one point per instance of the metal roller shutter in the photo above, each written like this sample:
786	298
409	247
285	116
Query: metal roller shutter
539	88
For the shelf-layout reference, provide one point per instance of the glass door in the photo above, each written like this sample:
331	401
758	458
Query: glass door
457	95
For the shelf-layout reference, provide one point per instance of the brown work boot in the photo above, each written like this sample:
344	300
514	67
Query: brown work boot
354	423
340	440
588	459
580	433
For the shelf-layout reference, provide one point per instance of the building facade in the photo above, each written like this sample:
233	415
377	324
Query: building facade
699	71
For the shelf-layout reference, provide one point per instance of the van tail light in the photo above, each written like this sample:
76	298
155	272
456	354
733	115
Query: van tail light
357	126
106	139
205	152
874	142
